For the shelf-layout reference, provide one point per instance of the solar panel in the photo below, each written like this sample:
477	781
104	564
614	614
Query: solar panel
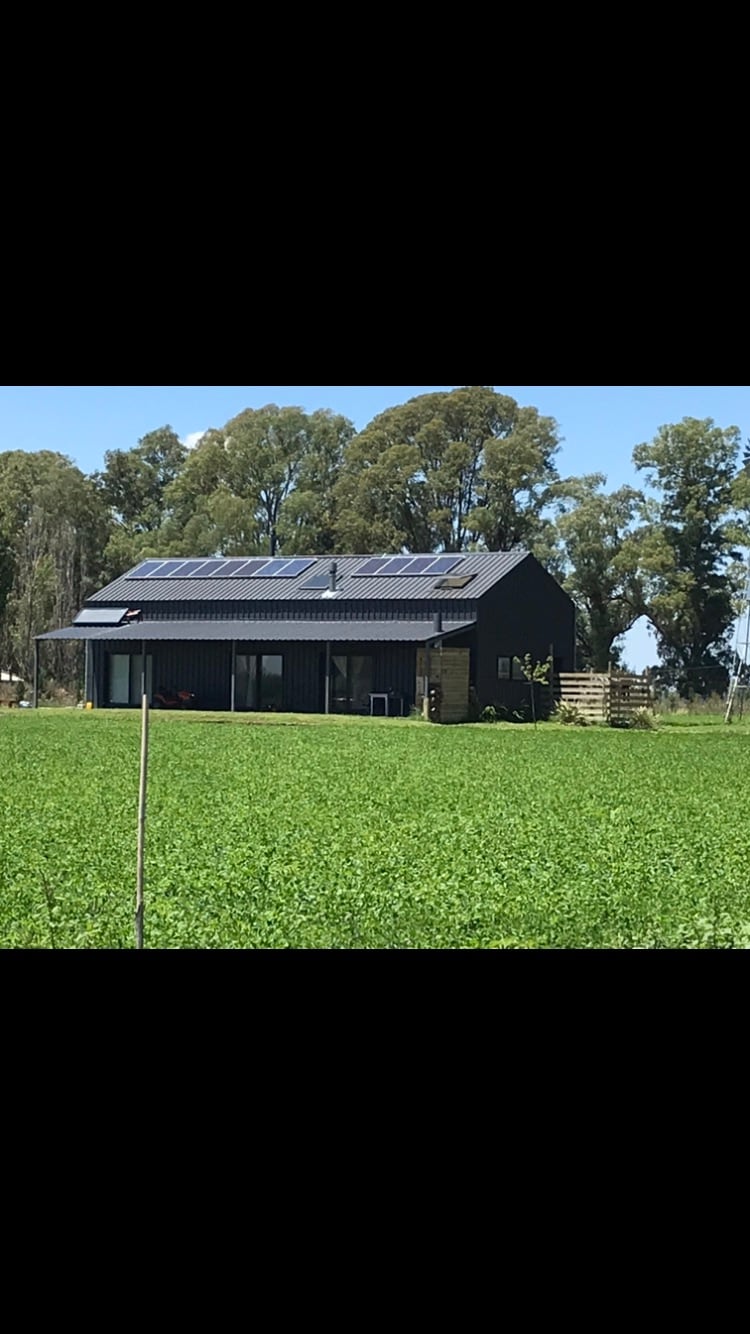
209	567
146	568
420	564
166	568
395	566
100	616
284	567
317	581
188	569
444	565
372	566
249	566
274	566
296	566
229	567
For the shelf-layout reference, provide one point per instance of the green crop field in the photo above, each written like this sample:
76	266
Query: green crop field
344	833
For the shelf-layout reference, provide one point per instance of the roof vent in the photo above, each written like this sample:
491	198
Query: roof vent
332	576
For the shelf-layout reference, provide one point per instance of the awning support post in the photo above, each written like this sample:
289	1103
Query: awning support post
328	678
88	651
233	685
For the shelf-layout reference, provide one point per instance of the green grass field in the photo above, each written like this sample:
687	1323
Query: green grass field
354	833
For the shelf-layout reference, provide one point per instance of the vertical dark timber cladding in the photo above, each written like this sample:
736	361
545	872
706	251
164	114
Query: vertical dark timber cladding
203	668
524	613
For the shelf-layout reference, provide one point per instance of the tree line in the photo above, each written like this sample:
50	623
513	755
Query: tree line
469	469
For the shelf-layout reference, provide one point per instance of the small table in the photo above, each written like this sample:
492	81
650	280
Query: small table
387	700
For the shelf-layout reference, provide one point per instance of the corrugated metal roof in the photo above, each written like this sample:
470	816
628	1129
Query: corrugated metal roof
74	632
317	632
488	567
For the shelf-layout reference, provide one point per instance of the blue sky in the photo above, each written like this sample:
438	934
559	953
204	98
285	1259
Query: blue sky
599	424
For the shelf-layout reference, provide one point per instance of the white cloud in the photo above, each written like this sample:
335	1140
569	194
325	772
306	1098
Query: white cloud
192	439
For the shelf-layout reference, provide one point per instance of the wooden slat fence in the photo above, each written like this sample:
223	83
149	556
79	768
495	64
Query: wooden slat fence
449	669
606	697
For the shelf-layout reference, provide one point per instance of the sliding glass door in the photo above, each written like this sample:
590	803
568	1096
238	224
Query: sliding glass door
271	682
125	678
246	681
351	682
119	678
259	682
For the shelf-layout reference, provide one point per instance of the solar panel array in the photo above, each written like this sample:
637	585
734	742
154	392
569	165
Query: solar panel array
287	567
260	567
407	565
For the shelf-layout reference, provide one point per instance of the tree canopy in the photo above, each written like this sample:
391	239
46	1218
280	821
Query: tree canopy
447	471
466	469
686	543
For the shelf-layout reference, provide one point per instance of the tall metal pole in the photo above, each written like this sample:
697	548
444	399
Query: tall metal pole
328	678
736	664
233	689
141	824
36	672
747	646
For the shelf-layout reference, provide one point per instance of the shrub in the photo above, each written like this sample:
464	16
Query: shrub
536	673
643	720
569	715
488	714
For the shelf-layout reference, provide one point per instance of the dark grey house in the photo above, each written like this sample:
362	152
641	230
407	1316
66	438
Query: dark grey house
354	634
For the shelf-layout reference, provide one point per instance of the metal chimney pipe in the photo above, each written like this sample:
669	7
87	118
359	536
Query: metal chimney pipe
437	622
332	576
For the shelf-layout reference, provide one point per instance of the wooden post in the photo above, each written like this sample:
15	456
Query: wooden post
610	712
36	672
141	824
328	679
233	686
426	680
143	668
88	691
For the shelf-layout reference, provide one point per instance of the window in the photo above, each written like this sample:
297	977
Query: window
503	669
259	682
245	681
125	678
351	683
360	683
119	678
272	682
